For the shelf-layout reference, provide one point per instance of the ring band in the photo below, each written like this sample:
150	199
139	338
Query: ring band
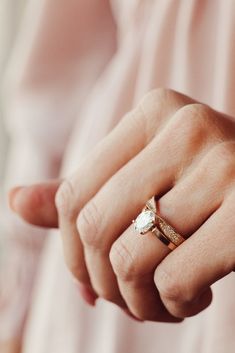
163	239
149	220
165	227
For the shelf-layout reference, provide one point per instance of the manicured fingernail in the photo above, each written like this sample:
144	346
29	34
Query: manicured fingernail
132	316
13	197
87	293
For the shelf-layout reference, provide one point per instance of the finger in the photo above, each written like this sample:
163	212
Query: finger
134	258
197	195
110	212
187	205
184	277
124	142
36	203
86	292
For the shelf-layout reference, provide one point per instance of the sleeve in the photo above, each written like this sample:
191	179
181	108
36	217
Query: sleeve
62	48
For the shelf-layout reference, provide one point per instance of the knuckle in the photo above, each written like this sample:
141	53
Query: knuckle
88	225
155	94
199	109
222	156
65	200
195	116
225	150
196	125
123	261
170	287
157	106
162	94
202	121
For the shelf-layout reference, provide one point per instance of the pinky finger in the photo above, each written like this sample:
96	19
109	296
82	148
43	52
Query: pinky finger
184	277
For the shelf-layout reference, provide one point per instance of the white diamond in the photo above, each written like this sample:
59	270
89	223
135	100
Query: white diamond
144	221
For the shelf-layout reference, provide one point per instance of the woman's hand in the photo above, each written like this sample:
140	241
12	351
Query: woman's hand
169	146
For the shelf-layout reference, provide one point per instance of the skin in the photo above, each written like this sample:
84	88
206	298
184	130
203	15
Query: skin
169	146
12	346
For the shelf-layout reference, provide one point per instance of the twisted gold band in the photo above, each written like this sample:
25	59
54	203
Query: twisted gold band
149	220
163	239
165	227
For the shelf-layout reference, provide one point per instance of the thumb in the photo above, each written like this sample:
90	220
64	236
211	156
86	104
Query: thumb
36	203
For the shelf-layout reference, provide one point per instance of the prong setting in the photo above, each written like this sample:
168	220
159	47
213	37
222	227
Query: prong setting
145	221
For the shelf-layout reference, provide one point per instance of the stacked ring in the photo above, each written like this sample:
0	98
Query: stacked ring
149	220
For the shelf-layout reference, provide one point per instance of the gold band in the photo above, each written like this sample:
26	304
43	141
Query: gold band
163	226
149	220
163	239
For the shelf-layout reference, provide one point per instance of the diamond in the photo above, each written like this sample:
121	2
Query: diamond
145	221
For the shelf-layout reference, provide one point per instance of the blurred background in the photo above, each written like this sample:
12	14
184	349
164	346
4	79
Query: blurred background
10	16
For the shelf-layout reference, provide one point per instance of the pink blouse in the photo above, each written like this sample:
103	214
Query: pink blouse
78	66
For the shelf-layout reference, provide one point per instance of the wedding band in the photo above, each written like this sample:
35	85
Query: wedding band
163	239
149	220
162	225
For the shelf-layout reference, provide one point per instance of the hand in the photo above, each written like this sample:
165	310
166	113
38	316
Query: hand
169	146
11	346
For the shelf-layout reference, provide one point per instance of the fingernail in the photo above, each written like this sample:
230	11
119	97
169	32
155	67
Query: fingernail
12	197
87	293
132	316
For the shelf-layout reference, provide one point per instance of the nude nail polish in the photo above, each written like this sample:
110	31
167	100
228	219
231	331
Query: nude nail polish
86	292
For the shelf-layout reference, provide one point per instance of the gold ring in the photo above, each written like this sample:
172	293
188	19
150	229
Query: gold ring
149	220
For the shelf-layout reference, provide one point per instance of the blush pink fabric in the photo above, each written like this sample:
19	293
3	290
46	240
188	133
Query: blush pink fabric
78	67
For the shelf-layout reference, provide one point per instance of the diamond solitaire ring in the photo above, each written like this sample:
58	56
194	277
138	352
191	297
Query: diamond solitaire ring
149	221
